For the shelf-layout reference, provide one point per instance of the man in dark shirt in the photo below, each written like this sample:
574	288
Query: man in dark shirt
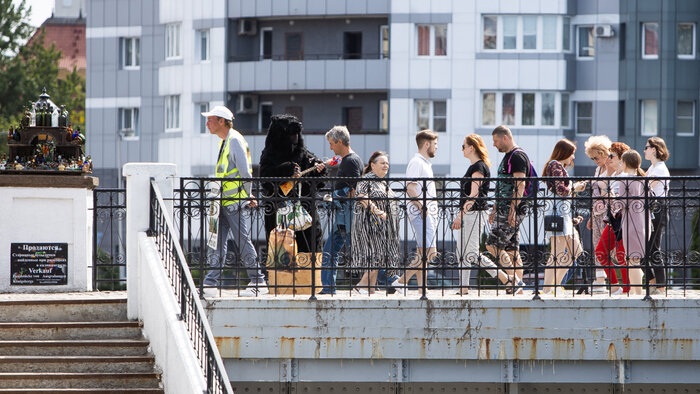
351	167
505	218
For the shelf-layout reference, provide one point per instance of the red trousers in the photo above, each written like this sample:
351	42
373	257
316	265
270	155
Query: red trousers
602	253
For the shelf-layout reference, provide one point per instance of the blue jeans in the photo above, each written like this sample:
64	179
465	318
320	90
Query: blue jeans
335	242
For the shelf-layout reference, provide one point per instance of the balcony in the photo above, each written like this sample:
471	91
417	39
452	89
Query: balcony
272	8
314	73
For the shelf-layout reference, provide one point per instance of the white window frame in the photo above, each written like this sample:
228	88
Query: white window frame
133	115
692	118
642	111
135	51
431	49
518	115
170	101
173	41
643	41
578	42
431	114
200	34
693	44
262	42
576	117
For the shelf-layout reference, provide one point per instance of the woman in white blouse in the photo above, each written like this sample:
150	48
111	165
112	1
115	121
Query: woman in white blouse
656	152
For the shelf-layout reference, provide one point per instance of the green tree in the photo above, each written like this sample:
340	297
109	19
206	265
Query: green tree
25	70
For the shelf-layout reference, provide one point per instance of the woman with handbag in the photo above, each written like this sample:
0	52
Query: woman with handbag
473	215
611	237
375	234
565	244
636	228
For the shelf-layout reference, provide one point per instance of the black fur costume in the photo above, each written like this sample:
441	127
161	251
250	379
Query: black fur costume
285	149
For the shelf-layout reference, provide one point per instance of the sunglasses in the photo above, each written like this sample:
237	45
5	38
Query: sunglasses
463	146
610	156
648	146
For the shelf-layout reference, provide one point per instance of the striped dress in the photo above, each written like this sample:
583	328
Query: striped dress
375	242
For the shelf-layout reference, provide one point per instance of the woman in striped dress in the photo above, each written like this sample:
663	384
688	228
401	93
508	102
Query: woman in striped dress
375	237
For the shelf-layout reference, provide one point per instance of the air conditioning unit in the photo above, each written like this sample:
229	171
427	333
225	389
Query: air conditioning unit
604	31
247	104
247	27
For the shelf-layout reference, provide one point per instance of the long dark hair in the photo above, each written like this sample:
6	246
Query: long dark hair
633	160
562	150
372	159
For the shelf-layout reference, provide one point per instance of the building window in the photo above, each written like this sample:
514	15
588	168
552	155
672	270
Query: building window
202	120
202	45
525	32
524	109
584	117
565	106
650	117
384	41
490	32
293	46
172	112
129	122
547	113
686	41
488	109
508	108
528	112
586	41
650	40
549	33
352	118
129	52
431	114
265	116
352	45
432	40
384	116
685	118
266	43
172	41
566	34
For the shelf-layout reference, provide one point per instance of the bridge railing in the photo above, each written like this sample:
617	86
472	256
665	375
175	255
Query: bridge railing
660	235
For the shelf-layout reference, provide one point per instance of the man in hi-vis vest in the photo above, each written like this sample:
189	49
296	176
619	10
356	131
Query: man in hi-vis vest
233	164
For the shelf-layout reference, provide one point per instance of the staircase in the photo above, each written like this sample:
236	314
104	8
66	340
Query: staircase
75	343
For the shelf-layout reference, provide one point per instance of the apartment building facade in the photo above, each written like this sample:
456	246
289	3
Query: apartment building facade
387	68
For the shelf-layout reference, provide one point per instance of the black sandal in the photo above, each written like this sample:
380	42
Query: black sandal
509	289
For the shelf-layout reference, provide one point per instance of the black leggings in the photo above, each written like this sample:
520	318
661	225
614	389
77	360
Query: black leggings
656	270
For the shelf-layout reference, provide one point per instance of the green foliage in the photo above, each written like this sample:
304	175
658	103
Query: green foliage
25	70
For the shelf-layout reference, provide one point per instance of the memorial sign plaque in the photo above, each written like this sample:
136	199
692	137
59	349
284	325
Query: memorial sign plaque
38	264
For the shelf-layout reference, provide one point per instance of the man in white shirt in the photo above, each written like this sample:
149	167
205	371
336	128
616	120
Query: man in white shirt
423	217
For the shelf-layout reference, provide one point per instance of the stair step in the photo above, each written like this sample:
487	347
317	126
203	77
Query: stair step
70	330
54	380
85	391
71	309
75	347
76	364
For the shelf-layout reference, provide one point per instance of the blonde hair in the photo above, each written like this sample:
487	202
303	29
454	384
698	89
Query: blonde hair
477	142
597	144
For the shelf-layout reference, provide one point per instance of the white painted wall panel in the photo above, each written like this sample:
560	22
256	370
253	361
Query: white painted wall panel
263	71
296	75
355	74
440	74
335	70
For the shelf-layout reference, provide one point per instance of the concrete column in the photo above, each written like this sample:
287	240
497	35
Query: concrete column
138	196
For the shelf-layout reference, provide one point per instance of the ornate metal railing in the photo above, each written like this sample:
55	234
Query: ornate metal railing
109	239
303	273
191	311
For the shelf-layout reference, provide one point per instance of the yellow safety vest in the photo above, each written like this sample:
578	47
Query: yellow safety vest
231	191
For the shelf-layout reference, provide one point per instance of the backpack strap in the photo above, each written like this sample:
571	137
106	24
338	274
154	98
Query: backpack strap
511	156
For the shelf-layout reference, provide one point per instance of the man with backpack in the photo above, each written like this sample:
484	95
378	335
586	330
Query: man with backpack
504	239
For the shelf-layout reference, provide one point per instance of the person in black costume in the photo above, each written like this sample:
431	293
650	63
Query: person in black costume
284	155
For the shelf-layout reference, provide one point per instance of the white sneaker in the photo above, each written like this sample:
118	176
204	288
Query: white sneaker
400	287
254	290
617	292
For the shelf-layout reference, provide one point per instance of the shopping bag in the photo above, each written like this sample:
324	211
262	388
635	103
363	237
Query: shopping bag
281	249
